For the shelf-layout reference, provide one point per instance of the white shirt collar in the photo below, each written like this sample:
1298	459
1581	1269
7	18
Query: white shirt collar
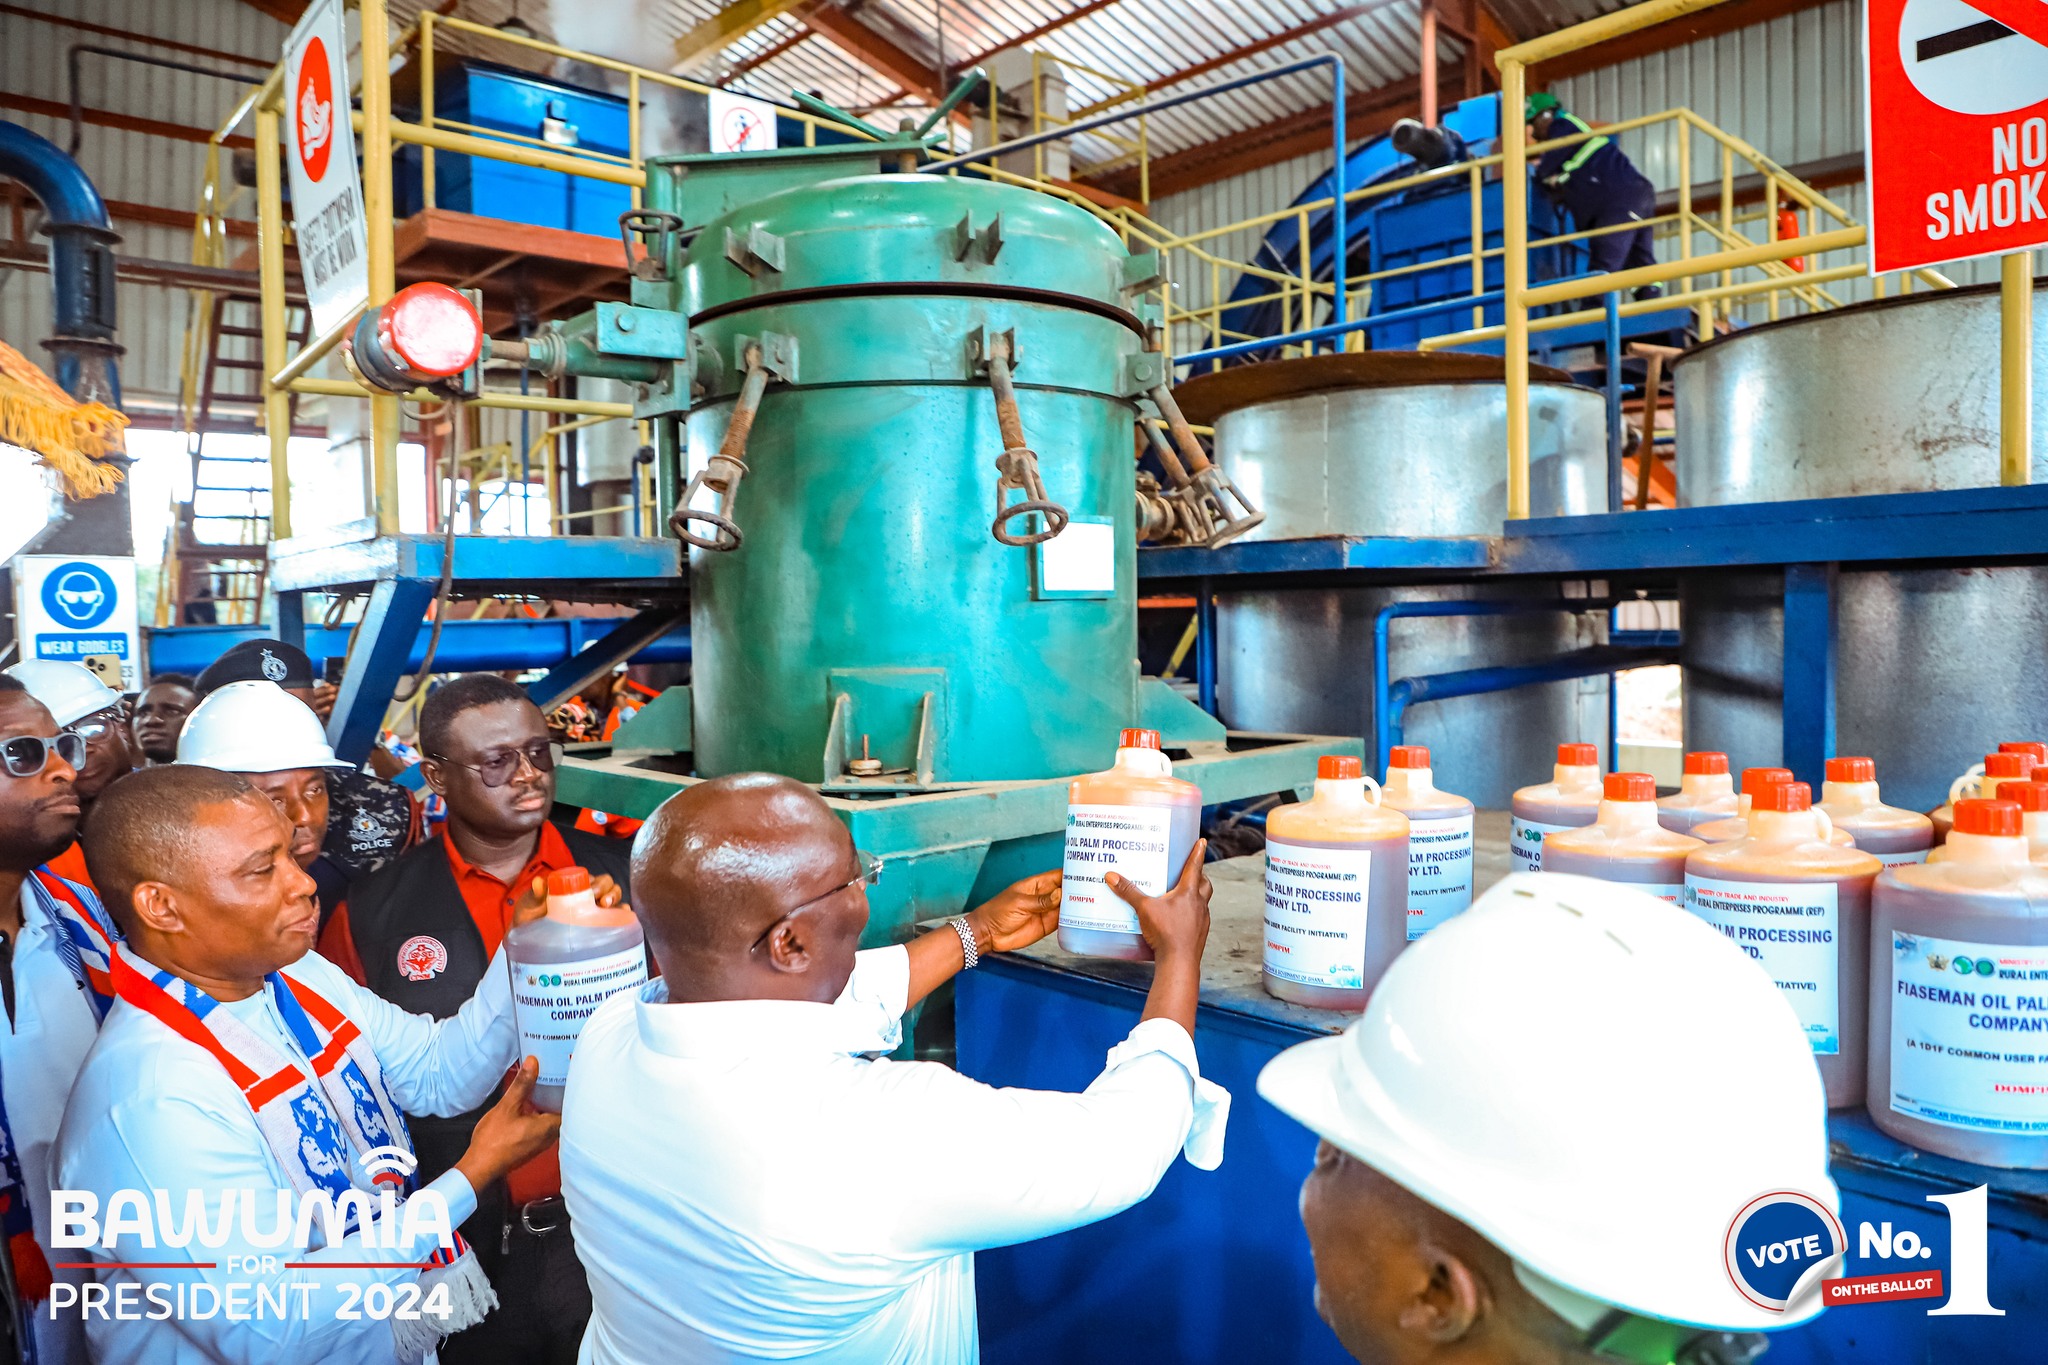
741	1028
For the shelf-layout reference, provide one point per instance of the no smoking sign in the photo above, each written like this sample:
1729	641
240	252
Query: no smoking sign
1956	98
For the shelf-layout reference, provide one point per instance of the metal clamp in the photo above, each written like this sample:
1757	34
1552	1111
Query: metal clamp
654	228
722	474
1017	466
1204	488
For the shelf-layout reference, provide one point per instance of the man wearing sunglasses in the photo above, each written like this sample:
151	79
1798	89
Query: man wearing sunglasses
752	1183
88	708
421	931
54	940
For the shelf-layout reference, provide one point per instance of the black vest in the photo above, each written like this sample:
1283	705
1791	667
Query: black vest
421	950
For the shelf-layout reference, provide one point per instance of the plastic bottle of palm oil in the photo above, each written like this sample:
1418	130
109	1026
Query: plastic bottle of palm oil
1850	798
1626	842
1800	905
564	965
1705	792
1958	995
1570	799
1735	825
1336	909
1439	839
1135	819
2015	762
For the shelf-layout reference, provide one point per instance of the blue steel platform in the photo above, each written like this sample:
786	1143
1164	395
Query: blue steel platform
1973	525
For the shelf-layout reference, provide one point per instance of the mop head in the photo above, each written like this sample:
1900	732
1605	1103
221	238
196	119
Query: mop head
70	437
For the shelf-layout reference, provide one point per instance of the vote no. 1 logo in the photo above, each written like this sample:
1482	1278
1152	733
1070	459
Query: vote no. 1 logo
1780	1246
79	596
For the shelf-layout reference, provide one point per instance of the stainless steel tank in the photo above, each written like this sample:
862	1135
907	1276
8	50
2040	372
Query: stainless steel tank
1895	396
1934	666
1404	445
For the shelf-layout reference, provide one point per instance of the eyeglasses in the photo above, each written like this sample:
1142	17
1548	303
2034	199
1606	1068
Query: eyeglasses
869	874
496	769
27	755
99	724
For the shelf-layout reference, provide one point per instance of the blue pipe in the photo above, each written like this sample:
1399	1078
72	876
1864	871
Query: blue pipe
81	263
1614	405
466	646
1386	725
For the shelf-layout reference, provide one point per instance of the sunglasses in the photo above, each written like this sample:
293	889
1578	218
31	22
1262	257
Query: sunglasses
94	727
869	874
496	769
27	755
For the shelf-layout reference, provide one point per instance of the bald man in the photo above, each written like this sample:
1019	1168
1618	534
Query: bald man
753	1180
235	1059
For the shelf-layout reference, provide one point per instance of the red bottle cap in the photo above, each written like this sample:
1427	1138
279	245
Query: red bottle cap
2008	764
1755	780
1340	766
1997	818
1783	796
2026	746
570	881
1408	756
1706	763
1138	739
1852	770
1629	787
2026	795
1578	755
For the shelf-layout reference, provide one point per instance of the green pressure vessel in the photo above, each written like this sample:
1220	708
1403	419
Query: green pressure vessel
869	612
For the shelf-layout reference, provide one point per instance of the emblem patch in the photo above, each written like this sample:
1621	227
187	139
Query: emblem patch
422	958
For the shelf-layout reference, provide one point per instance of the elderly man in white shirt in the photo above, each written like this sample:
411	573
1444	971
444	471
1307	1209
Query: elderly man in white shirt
235	1059
750	1182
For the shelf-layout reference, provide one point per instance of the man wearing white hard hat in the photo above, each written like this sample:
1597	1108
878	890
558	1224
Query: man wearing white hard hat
88	708
271	738
1538	1139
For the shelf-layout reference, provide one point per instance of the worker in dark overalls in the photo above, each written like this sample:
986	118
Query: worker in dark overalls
1598	184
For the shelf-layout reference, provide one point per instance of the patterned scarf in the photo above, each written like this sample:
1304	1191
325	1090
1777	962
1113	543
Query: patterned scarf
316	1126
85	938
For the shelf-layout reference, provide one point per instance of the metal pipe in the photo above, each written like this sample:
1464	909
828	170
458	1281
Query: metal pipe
465	646
1580	663
489	398
73	75
1339	209
1614	406
1514	229
380	213
277	402
1205	646
1841	239
82	242
1623	21
2015	367
316	349
1387	615
1428	65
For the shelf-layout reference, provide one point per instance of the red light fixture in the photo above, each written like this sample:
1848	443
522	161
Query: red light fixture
424	334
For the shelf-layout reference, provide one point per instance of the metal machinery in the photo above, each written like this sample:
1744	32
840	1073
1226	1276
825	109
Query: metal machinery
894	417
1886	397
1332	446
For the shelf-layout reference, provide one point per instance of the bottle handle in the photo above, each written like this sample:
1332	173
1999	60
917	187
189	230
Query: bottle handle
1371	786
1968	779
1827	825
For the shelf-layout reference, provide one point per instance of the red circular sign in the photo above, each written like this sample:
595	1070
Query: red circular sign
313	111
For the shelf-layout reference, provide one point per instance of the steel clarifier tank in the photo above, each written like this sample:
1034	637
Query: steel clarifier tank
1394	443
869	609
1935	665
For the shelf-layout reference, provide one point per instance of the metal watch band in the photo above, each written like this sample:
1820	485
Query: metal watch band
971	953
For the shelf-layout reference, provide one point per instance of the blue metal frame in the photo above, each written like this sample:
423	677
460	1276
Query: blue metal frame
465	646
1809	670
1205	647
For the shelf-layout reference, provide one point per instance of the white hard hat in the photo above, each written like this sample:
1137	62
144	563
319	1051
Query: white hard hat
255	727
1594	1080
71	691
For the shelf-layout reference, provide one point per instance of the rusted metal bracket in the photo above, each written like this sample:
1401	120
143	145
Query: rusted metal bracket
723	472
657	232
1017	467
1202	485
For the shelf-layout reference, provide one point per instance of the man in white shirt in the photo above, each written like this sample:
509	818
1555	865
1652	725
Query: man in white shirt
752	1183
52	1007
236	1059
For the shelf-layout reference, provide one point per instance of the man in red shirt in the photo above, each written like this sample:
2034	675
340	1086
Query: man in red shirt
420	932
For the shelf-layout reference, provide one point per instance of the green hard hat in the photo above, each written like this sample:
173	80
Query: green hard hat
1538	103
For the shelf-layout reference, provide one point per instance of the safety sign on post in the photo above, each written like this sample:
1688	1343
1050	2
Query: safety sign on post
320	158
740	123
80	609
1956	102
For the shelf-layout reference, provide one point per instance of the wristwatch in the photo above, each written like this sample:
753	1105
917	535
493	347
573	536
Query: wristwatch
970	953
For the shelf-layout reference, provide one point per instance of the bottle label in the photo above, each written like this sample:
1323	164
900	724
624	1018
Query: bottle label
1918	855
1130	841
1970	1034
1316	913
1790	928
1439	871
1673	892
551	1001
1525	841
